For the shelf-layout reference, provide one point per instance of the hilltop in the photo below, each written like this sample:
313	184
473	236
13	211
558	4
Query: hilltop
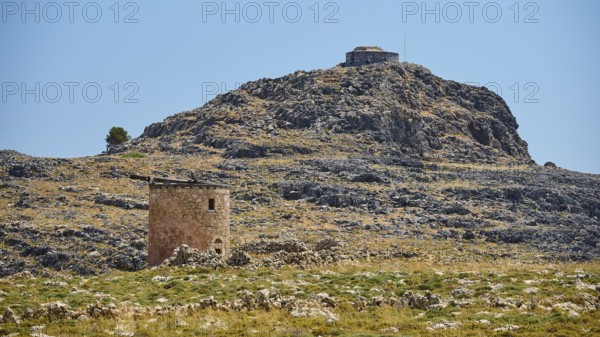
387	109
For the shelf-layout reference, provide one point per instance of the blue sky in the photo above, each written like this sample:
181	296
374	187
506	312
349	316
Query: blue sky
93	65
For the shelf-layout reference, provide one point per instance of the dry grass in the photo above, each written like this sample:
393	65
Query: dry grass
368	278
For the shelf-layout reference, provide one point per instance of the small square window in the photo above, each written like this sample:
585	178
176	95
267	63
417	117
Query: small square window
211	204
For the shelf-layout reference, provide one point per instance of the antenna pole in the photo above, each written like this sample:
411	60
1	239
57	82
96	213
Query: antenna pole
405	48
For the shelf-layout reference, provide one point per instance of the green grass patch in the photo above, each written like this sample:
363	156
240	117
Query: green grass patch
133	155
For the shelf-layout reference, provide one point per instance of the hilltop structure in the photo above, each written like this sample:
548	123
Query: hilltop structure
186	212
368	55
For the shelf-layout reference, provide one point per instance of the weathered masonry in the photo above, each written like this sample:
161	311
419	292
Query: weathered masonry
368	55
186	212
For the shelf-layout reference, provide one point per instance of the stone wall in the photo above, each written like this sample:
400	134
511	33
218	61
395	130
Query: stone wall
180	214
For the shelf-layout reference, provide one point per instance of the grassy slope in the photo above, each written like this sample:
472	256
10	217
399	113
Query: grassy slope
366	278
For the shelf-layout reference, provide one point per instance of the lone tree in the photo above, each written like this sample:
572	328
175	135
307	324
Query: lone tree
117	135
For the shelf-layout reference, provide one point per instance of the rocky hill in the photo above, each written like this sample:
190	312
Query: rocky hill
367	200
394	108
386	149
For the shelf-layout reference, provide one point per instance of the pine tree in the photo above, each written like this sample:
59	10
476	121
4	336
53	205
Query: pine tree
117	135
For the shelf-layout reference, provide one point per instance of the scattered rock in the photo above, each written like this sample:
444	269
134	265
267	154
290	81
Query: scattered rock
98	310
304	311
56	284
360	303
245	301
468	235
239	258
461	292
326	300
326	244
423	302
161	279
391	329
54	311
211	323
10	317
268	298
263	246
37	328
121	201
443	324
508	327
531	290
232	165
376	301
184	255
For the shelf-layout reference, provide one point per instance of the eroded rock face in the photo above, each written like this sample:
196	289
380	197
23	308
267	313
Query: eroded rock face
403	105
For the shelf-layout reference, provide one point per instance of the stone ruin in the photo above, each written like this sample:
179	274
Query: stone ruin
369	55
186	212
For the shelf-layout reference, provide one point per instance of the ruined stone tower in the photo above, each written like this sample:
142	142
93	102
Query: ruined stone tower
187	212
368	55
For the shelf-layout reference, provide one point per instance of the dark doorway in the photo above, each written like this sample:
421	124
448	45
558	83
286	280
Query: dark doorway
218	246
